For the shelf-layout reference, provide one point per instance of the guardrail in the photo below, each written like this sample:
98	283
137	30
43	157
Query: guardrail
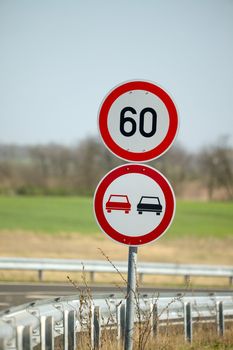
23	327
96	266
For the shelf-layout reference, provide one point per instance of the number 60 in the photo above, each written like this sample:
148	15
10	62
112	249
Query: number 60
124	119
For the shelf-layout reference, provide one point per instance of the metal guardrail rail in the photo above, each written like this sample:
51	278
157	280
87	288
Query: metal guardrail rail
23	327
96	266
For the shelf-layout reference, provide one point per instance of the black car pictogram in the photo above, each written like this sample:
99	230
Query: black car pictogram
150	204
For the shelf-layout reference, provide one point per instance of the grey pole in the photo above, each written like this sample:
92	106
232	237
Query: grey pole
130	302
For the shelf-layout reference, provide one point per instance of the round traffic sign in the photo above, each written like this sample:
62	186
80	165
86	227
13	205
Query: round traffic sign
134	204
138	121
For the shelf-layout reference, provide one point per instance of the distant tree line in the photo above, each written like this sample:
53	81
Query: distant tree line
56	169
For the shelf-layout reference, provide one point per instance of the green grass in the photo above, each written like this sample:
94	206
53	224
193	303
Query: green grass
47	214
203	219
75	214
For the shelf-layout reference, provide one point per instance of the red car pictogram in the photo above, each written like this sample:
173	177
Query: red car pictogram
118	202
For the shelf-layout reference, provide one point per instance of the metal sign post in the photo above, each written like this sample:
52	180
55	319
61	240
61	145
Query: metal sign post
131	297
134	204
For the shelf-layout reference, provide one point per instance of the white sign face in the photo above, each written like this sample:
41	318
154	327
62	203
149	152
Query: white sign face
138	121
134	204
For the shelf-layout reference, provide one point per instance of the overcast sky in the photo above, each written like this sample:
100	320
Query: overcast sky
58	59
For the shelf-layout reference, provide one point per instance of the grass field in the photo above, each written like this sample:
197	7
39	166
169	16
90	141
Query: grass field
75	214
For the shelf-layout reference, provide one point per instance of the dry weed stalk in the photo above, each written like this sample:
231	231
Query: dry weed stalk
144	323
85	312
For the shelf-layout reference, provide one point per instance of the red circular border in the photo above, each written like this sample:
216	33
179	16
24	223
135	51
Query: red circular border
103	121
159	179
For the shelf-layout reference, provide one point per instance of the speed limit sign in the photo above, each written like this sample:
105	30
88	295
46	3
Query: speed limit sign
138	121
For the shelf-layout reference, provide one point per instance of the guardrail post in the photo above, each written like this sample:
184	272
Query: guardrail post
2	344
155	320
92	276
187	280
230	280
47	333
220	319
69	330
92	336
40	275
188	322
120	318
24	338
118	324
97	328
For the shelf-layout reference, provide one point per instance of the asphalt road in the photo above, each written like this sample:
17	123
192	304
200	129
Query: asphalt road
13	294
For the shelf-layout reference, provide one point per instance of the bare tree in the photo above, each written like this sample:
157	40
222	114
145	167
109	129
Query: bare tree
216	165
59	169
176	165
91	164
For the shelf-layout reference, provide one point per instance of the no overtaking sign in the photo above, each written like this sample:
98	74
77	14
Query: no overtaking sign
134	204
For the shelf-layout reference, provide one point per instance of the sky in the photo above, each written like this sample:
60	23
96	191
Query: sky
58	59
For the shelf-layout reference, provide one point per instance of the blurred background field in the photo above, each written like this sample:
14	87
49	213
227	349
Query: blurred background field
53	215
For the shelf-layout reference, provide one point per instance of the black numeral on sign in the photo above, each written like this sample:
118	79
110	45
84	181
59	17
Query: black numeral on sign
142	115
124	119
142	122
